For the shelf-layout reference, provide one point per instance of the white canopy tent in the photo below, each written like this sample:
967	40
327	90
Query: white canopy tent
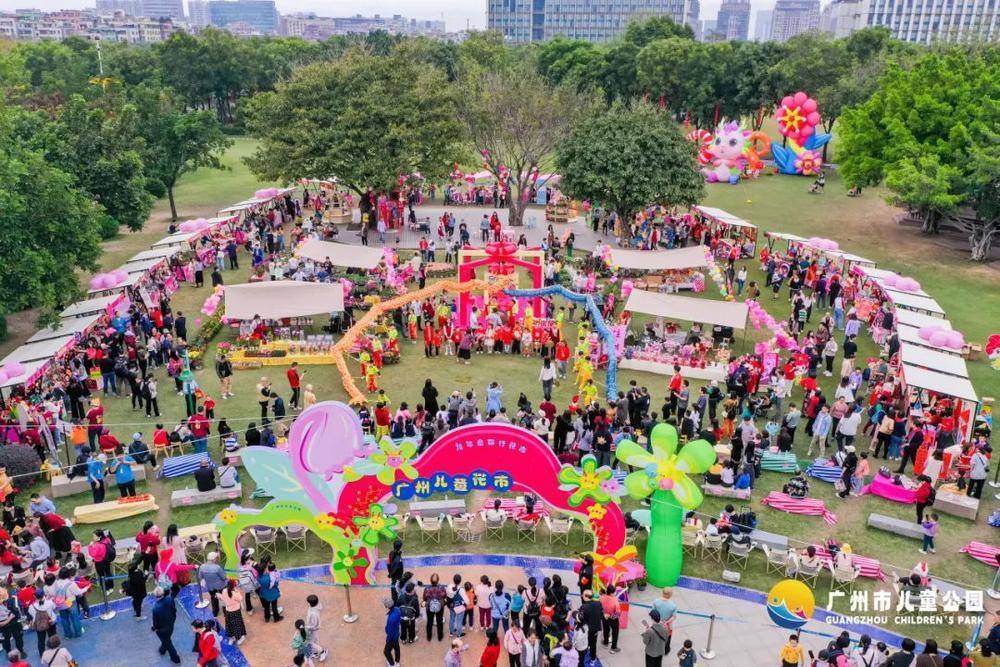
89	307
909	301
30	368
66	327
692	257
350	256
131	281
275	300
939	383
910	335
45	349
724	313
916	355
156	253
911	318
723	216
145	265
880	275
850	258
178	239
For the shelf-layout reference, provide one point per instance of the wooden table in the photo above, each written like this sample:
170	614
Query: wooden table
436	507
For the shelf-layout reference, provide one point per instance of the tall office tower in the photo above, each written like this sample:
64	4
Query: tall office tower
163	9
762	25
198	14
733	21
793	17
522	21
259	16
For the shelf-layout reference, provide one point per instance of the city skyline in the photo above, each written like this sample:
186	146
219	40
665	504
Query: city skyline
455	13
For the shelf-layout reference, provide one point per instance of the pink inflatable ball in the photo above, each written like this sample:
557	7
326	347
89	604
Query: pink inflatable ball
939	338
99	281
800	98
119	276
806	130
809	106
813	118
3	376
908	285
14	369
787	101
956	341
926	332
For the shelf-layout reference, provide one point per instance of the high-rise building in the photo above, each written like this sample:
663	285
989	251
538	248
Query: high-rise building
793	17
521	21
259	16
123	7
198	15
163	9
762	25
934	20
733	21
706	31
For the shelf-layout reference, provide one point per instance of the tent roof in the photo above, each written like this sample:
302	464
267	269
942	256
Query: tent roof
911	335
155	253
30	368
660	260
880	276
724	313
45	349
283	298
132	279
909	301
175	239
89	306
143	266
914	319
350	256
784	236
66	327
917	355
940	383
849	257
723	216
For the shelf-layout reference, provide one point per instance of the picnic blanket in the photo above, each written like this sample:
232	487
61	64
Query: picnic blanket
806	506
869	567
513	509
984	553
778	461
883	487
821	469
179	466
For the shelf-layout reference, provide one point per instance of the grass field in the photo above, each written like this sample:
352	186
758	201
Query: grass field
863	225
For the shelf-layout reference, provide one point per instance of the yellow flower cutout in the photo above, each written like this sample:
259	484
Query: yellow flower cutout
597	512
228	516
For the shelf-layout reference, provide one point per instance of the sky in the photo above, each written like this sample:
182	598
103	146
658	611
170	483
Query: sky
456	13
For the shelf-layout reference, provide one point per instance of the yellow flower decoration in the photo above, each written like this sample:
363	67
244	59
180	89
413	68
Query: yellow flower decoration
597	512
325	521
228	516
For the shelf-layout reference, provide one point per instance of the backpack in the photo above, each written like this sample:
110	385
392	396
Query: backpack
163	579
932	496
434	605
457	600
408	612
109	549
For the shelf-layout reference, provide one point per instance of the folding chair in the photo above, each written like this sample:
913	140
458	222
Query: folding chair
526	530
463	528
809	574
559	529
712	547
430	529
739	555
842	579
266	540
776	560
295	537
195	548
690	541
495	527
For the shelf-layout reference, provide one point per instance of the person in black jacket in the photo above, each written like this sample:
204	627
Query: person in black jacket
394	567
164	615
592	614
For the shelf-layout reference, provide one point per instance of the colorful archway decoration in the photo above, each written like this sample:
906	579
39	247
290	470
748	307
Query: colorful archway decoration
502	259
355	395
611	377
343	487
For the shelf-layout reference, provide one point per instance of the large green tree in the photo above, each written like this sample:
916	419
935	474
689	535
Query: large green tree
176	140
930	132
51	228
515	119
628	158
363	119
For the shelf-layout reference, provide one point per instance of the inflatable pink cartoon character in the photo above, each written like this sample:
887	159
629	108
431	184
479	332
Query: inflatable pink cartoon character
727	154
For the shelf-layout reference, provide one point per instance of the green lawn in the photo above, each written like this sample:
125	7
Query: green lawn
861	225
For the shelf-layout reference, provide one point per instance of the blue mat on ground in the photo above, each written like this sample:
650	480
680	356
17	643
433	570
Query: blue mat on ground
178	466
124	631
821	469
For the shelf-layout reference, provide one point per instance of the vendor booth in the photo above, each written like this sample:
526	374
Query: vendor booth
941	362
845	262
664	270
180	240
701	352
73	326
340	254
102	304
158	253
729	229
915	320
929	386
911	336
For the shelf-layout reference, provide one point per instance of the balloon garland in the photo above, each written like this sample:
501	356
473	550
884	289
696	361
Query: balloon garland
717	277
611	377
761	318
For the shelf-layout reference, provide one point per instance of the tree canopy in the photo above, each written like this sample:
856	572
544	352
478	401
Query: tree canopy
364	119
598	161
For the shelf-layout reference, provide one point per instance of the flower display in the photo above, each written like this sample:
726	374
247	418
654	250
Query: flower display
376	525
349	561
597	512
389	459
586	481
228	516
326	521
808	163
663	474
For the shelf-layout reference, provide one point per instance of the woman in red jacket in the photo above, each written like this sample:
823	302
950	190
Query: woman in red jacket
208	645
491	653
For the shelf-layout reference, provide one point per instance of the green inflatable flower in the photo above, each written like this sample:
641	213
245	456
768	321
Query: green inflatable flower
384	463
588	481
348	562
663	475
376	525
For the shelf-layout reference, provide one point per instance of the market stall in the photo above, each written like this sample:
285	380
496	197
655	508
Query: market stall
273	319
940	362
701	352
915	320
911	336
845	262
115	303
664	270
929	386
340	254
180	240
157	253
729	229
73	326
914	302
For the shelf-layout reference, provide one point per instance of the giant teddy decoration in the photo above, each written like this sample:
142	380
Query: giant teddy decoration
798	117
730	152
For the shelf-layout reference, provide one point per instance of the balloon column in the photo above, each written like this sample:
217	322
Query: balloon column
662	475
717	277
798	119
761	318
